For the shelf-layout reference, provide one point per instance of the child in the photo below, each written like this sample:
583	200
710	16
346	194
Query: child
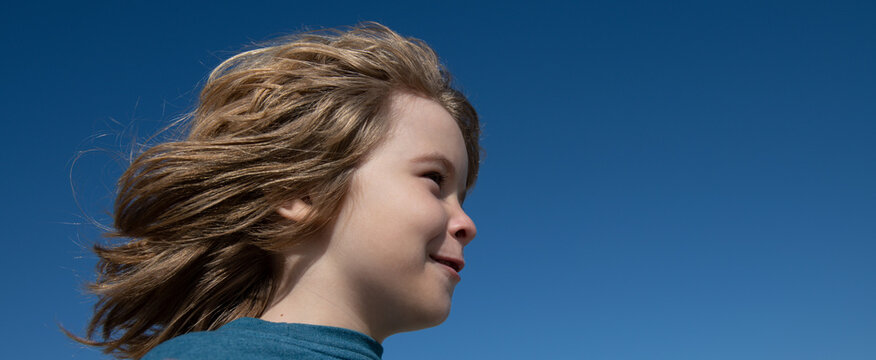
314	208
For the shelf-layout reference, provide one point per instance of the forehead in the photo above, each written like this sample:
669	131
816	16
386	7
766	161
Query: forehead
420	127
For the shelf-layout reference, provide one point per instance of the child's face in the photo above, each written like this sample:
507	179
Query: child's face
402	215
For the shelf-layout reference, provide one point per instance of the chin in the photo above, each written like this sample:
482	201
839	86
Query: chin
427	317
434	316
439	317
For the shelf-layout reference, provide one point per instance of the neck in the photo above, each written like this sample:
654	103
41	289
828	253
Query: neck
310	294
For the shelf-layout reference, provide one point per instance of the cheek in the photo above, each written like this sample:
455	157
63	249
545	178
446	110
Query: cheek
424	217
391	215
407	210
401	232
411	227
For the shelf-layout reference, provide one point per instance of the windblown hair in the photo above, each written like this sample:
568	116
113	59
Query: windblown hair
198	215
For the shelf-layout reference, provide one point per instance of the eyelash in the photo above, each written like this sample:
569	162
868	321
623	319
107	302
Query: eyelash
435	176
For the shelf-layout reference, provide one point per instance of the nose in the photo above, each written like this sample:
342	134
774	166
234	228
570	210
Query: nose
462	227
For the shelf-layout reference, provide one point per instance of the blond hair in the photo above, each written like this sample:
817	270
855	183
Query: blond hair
288	121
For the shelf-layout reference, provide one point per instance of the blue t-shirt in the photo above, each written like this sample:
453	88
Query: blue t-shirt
249	338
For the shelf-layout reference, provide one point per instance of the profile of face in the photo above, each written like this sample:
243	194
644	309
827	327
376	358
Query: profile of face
397	242
391	258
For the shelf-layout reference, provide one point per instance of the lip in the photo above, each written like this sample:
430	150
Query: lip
453	264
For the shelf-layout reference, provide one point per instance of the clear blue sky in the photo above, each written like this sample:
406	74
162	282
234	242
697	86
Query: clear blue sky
663	180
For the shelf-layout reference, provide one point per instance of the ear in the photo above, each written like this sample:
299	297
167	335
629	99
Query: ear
296	210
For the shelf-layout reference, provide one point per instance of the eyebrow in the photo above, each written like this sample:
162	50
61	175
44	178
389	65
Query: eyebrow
448	166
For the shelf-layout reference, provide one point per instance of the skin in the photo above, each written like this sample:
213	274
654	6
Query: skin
374	269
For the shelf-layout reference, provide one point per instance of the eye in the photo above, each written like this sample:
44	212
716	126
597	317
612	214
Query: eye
435	176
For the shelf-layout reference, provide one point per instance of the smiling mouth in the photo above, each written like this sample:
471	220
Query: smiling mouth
455	265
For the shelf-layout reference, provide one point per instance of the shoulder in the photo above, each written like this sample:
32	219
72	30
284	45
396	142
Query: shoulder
248	338
198	345
225	343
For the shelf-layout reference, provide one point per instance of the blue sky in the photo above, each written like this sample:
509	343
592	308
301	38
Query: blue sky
662	180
